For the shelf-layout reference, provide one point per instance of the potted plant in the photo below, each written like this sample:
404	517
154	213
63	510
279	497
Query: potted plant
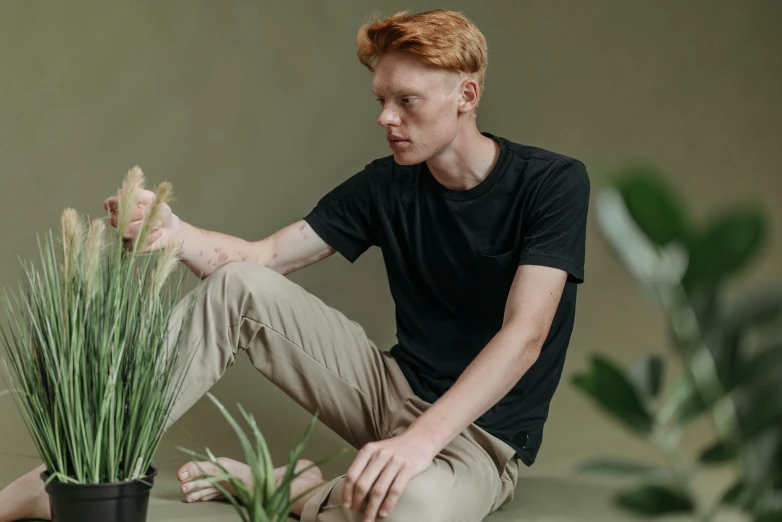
268	498
729	348
93	363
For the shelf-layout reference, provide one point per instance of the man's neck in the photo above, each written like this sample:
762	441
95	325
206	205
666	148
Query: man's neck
466	162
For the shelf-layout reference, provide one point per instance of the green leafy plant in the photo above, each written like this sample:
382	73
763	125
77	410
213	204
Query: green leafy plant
267	499
93	363
730	352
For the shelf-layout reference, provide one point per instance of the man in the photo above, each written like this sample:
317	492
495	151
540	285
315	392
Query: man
483	243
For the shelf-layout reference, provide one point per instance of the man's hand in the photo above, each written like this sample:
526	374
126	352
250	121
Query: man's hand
382	470
162	232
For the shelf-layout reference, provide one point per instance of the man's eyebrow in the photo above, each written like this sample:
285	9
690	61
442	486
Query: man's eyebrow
398	92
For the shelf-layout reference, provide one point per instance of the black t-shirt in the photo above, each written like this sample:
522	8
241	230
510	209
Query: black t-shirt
451	256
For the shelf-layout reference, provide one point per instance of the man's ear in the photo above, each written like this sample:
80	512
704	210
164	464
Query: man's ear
469	94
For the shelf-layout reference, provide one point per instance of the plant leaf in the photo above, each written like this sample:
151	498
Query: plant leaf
731	496
717	453
760	411
240	434
608	385
685	401
646	373
770	516
724	248
654	500
761	365
653	204
755	311
615	466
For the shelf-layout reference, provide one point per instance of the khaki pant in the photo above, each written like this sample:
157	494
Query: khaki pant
325	361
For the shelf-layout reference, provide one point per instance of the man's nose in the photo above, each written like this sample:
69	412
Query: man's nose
388	117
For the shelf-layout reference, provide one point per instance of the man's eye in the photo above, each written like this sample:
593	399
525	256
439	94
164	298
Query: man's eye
380	100
406	100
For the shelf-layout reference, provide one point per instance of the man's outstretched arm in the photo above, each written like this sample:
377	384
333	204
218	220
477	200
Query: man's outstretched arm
287	250
202	251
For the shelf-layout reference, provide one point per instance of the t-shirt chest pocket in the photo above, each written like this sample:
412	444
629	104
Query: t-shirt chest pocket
495	275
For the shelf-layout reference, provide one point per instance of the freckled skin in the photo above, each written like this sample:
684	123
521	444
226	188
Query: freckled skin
222	256
309	260
426	110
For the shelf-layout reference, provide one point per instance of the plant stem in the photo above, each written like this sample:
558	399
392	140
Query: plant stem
683	473
701	367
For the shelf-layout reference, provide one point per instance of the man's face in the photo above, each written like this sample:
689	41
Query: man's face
419	106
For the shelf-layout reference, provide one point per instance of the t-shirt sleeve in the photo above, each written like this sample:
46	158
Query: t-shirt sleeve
344	218
556	235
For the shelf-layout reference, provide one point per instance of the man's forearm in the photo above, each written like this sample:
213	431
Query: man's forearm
490	376
204	251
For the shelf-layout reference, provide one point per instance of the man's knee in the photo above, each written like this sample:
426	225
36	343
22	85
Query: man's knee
239	270
432	496
421	500
232	280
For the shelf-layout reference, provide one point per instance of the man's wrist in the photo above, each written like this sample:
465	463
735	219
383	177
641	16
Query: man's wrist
178	235
431	437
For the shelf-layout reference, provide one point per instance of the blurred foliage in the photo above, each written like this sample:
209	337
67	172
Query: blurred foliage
730	352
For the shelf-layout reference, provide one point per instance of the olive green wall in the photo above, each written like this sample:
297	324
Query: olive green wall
254	109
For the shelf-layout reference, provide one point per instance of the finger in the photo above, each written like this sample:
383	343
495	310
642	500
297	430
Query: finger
201	494
136	217
381	488
134	228
141	197
145	196
354	472
138	213
131	231
154	236
366	482
395	492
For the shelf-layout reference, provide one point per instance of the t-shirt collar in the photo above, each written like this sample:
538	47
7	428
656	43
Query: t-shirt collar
494	175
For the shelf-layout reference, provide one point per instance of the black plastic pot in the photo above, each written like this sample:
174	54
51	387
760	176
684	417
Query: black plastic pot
117	502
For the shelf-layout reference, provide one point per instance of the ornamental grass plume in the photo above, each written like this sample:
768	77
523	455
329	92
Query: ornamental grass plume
94	358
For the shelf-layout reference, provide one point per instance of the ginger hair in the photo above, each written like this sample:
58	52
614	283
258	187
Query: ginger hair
442	38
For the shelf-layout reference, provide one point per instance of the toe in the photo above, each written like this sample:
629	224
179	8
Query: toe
202	494
196	485
194	469
212	497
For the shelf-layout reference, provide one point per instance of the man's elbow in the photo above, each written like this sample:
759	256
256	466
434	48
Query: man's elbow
530	338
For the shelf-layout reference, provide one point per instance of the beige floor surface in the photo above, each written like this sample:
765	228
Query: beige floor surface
539	498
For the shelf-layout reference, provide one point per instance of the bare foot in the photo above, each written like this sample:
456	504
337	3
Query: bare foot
202	490
25	498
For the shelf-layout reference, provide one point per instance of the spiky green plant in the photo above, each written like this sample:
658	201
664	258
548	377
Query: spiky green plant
92	359
267	499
